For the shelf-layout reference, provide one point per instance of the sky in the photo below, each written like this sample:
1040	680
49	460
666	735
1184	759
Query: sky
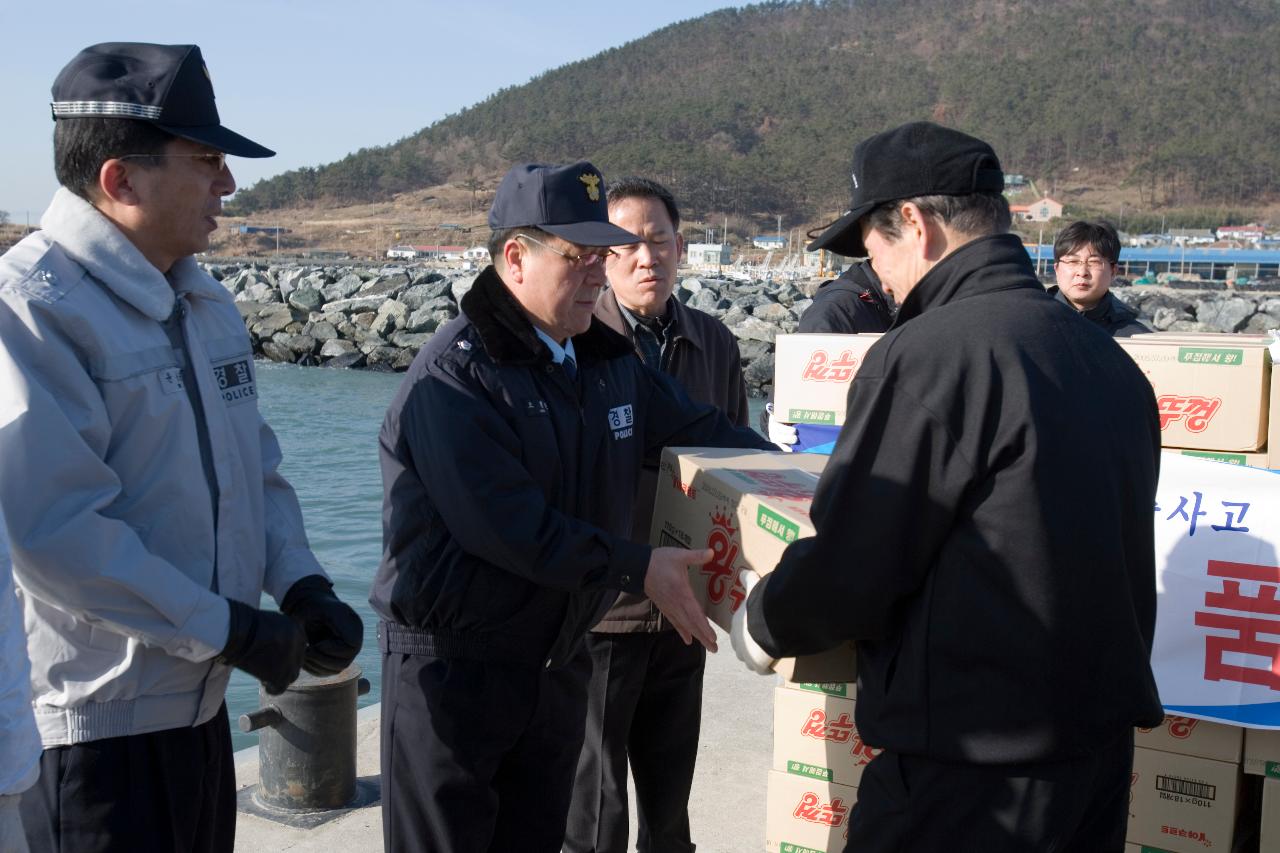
312	79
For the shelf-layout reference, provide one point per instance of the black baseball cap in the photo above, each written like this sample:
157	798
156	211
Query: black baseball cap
166	85
567	201
920	158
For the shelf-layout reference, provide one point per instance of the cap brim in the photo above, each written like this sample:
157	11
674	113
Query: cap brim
844	236
226	141
592	233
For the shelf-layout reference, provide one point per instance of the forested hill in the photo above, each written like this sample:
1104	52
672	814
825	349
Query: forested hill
757	109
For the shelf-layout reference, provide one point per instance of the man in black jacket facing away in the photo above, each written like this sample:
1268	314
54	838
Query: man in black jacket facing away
510	458
1000	588
1086	260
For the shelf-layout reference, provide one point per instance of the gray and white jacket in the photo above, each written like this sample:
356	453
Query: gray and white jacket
119	564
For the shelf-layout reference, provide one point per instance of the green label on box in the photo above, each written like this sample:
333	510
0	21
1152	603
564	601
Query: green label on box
1206	355
787	531
811	416
833	688
1272	769
812	771
788	847
1229	458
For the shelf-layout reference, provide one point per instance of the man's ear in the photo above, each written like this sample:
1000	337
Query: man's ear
931	239
513	255
679	245
116	183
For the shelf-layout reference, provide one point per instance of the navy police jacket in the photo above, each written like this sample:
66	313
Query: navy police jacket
509	488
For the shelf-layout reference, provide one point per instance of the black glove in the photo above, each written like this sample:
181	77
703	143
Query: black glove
267	645
334	631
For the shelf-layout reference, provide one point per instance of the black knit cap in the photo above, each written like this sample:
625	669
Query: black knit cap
568	201
920	158
166	85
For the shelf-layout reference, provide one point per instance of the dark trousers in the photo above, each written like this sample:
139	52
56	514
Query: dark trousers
908	804
478	756
645	705
173	790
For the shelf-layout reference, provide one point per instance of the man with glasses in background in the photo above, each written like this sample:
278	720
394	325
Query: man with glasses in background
510	458
1086	258
138	480
646	685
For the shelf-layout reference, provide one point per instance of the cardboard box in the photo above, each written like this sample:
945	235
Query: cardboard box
1269	838
1189	736
803	815
1252	460
1262	752
814	735
1181	803
1142	848
843	689
1213	390
747	506
811	375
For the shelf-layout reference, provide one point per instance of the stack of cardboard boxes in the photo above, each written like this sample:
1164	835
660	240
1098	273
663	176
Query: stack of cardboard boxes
1185	786
1216	394
818	759
748	507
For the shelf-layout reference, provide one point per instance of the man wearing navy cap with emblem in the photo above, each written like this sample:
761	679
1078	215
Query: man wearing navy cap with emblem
1000	587
138	480
510	459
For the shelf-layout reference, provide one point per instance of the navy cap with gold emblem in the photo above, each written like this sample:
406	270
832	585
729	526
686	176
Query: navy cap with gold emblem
166	85
567	201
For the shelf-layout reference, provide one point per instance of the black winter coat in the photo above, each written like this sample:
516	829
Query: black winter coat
850	304
508	492
1113	316
984	527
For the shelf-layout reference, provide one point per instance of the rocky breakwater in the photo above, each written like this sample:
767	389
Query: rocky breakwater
371	317
379	317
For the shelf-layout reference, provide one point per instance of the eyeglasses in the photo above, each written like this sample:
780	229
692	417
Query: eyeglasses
582	260
1096	263
217	159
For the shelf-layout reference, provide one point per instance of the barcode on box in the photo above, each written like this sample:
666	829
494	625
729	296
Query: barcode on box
1186	788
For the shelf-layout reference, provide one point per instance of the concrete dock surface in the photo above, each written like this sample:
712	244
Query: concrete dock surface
726	807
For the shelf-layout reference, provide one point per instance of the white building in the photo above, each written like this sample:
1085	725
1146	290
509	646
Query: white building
766	242
709	254
476	253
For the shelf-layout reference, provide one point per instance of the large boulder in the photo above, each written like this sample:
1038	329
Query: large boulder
343	288
321	330
306	299
750	350
336	347
772	312
419	294
410	340
277	352
422	320
1225	315
755	329
459	287
391	316
706	299
349	306
272	319
386	287
759	372
350	359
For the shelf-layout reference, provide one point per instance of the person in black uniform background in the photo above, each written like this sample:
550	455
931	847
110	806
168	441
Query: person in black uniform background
510	458
1001	591
1086	260
853	303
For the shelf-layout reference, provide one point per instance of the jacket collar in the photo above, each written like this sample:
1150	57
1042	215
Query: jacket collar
984	266
1108	309
609	311
508	335
94	242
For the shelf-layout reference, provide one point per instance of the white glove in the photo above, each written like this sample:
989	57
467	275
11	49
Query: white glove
12	838
747	649
783	435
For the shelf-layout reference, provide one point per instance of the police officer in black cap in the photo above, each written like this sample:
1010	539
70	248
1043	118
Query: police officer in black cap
1000	588
510	459
138	481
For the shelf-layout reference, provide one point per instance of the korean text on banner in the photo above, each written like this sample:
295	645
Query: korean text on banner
1217	645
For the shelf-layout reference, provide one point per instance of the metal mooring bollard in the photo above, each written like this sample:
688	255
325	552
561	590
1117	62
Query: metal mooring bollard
307	749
